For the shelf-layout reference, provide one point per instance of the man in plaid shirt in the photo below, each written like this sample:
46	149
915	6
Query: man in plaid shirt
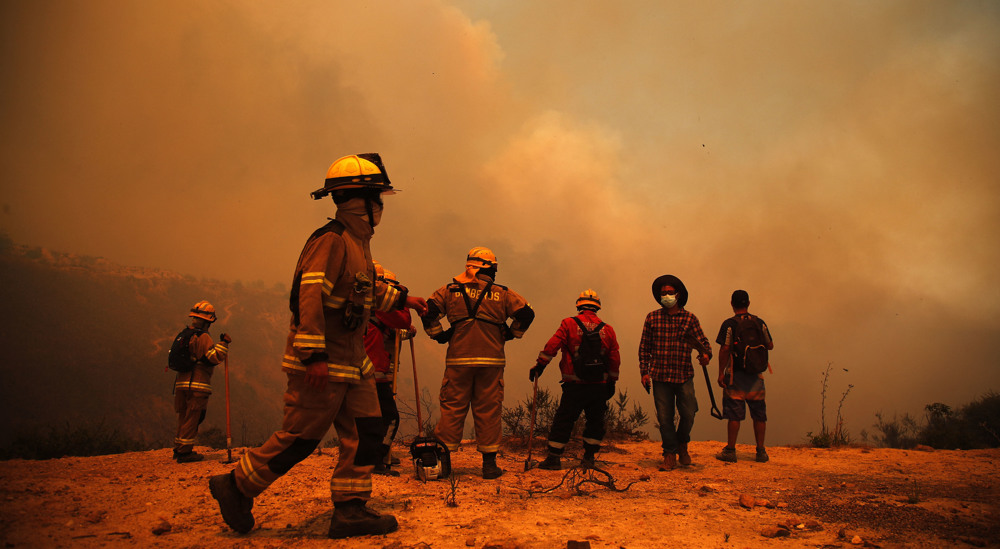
669	335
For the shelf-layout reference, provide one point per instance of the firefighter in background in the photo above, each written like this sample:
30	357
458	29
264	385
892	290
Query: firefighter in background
477	310
193	387
330	379
382	346
581	392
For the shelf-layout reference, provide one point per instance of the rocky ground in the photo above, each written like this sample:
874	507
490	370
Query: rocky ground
803	497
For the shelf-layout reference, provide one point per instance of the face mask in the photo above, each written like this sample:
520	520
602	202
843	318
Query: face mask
668	300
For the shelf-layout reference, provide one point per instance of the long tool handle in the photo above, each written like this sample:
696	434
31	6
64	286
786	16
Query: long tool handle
229	430
715	409
395	361
416	390
534	410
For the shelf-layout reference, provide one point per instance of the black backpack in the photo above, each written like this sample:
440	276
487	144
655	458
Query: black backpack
750	345
589	361
179	357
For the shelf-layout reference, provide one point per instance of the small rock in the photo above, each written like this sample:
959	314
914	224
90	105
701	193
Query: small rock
781	505
774	532
762	503
707	489
747	501
923	448
573	544
162	528
470	542
644	477
856	540
813	525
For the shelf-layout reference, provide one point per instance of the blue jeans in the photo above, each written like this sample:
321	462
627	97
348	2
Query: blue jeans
665	397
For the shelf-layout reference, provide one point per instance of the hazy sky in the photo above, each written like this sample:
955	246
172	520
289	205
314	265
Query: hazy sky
838	160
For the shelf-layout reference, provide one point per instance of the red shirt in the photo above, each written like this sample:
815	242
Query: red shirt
567	339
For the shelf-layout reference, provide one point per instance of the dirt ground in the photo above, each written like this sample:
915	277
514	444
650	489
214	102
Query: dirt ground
803	497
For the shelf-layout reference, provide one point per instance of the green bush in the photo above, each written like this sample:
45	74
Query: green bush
975	425
72	440
621	423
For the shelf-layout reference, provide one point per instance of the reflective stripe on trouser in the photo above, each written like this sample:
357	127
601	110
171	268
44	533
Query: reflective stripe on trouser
588	398
351	408
478	387
190	407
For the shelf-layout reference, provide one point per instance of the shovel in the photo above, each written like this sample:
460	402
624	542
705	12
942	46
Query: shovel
530	463
715	409
229	430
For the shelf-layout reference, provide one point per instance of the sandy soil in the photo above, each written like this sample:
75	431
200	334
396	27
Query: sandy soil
806	497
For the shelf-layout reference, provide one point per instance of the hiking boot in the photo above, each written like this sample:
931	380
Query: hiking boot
762	455
587	462
354	518
394	461
235	507
669	463
727	454
683	457
551	462
491	471
188	457
383	469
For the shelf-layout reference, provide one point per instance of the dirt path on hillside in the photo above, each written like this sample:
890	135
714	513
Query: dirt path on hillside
806	497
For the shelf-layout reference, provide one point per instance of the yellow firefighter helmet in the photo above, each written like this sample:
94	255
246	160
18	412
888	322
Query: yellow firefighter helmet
589	298
355	171
390	278
203	309
481	257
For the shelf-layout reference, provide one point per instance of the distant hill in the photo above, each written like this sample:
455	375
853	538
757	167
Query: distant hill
84	340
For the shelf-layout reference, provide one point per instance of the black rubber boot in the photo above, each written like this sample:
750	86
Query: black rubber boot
235	507
353	518
188	457
551	462
490	468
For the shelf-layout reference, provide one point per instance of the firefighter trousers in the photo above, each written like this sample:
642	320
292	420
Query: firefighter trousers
351	408
190	407
478	387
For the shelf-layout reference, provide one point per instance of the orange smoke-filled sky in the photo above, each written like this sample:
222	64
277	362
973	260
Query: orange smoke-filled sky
837	160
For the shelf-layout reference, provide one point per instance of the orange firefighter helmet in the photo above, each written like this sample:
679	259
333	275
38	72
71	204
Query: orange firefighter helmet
588	298
481	257
204	310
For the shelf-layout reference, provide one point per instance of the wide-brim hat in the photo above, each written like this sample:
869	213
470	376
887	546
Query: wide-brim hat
671	280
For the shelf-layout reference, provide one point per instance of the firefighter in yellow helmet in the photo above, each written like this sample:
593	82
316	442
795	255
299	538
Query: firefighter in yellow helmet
589	366
477	310
193	355
330	379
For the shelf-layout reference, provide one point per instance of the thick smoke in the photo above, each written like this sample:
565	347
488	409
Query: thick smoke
835	161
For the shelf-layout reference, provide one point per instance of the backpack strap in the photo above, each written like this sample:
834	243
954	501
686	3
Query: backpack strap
584	328
472	309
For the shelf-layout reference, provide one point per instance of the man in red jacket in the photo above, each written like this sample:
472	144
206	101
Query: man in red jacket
382	346
588	378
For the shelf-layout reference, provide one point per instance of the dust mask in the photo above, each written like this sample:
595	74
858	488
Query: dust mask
668	300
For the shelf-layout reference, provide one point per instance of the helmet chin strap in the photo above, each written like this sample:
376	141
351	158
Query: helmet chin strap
371	214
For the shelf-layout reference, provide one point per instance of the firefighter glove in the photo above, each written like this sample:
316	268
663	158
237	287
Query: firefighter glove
536	372
225	338
444	336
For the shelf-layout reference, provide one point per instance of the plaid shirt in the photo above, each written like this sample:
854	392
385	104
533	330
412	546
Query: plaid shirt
666	345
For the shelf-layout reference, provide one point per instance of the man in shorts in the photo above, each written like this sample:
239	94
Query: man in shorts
741	389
